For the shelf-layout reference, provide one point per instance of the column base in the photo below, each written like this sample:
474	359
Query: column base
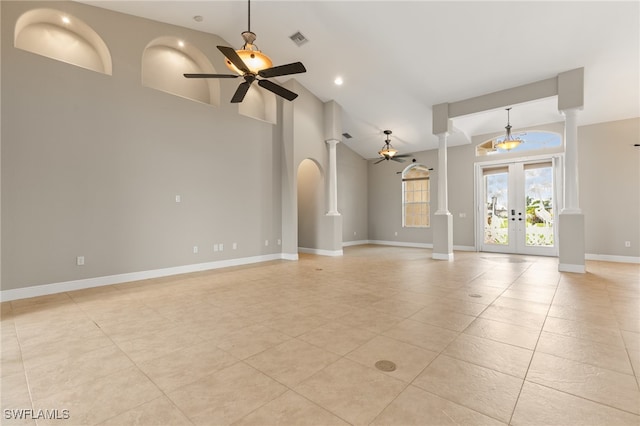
442	236
571	243
333	224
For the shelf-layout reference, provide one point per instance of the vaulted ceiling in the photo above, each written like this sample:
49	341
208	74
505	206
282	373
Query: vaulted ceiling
398	59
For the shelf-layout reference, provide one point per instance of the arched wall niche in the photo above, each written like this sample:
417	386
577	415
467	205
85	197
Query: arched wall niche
63	37
166	59
259	104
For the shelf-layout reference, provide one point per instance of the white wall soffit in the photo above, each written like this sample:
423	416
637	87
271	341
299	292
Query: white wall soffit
58	35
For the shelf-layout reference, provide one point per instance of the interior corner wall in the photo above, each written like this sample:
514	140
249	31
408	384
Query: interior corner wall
309	143
92	164
352	194
609	185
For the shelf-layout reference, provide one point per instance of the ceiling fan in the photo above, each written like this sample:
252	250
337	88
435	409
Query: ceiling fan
249	63
387	152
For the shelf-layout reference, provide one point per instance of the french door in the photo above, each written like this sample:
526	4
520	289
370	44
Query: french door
517	207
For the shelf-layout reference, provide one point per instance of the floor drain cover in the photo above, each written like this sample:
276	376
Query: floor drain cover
385	365
475	295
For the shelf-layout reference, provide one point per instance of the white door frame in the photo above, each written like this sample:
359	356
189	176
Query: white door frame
556	161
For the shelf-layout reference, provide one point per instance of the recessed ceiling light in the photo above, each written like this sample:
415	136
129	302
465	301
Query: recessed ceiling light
198	18
66	20
338	81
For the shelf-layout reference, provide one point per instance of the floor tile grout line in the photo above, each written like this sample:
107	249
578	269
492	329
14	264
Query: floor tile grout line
586	399
441	353
533	353
291	389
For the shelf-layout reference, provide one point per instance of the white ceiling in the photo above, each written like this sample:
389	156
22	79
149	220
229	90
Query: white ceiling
398	59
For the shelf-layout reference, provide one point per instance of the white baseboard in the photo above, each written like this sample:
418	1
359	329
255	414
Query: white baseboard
401	244
289	256
320	252
565	267
609	258
442	256
44	289
355	243
464	248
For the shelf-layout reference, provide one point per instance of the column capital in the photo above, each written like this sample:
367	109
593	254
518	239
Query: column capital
570	111
332	142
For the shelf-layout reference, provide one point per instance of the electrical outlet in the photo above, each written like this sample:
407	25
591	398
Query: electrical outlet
195	249
234	246
266	243
627	243
80	260
221	247
178	199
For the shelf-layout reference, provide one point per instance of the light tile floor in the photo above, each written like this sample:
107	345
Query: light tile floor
485	339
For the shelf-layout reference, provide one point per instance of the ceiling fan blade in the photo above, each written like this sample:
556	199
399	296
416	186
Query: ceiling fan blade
211	75
241	91
278	90
380	160
397	160
294	68
402	156
232	56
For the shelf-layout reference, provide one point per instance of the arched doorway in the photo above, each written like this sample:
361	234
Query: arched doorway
310	193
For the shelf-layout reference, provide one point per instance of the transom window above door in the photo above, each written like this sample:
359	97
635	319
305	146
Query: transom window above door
535	140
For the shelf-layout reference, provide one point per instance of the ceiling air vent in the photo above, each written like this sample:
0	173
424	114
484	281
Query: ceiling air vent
298	38
347	135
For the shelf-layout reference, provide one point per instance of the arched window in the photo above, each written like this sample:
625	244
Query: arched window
416	197
534	140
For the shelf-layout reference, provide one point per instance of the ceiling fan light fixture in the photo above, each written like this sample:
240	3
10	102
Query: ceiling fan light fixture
387	151
253	58
509	142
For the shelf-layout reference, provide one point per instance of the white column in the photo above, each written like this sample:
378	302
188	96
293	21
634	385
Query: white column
333	178
571	202
571	228
442	219
443	200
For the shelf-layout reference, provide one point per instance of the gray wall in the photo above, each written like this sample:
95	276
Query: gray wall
609	179
91	163
352	194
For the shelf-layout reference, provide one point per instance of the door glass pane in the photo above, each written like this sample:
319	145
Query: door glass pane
496	221
538	184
